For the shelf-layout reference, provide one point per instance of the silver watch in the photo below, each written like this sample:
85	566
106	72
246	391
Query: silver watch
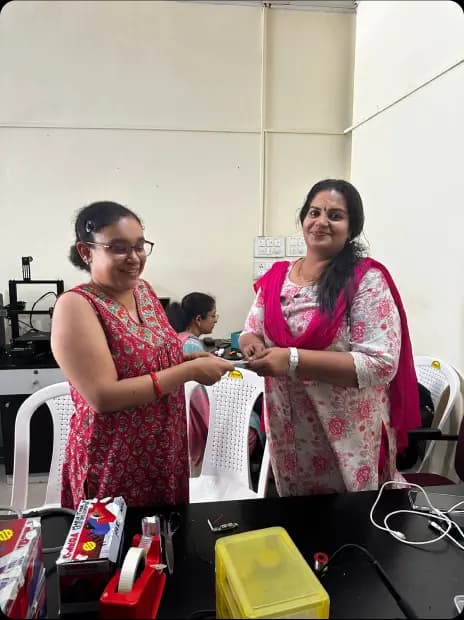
293	359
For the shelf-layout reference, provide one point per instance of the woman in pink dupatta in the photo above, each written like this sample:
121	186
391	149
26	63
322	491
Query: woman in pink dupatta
330	335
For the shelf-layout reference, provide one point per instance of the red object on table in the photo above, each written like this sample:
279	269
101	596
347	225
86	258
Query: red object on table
144	598
320	560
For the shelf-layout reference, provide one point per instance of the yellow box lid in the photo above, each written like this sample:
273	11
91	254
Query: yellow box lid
266	574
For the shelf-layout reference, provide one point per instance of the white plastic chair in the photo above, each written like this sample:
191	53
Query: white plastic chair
188	389
265	471
436	375
57	398
225	472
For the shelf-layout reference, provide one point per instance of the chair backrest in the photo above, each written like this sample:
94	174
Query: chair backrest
459	454
436	375
231	401
188	389
57	398
264	472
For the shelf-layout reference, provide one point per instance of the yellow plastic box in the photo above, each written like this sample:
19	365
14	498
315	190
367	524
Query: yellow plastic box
261	574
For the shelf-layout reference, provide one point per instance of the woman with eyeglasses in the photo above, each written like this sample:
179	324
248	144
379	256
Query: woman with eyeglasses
126	370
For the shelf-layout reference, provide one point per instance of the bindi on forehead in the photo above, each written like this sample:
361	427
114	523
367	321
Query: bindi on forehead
332	207
329	199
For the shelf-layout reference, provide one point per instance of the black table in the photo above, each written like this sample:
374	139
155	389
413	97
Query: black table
428	577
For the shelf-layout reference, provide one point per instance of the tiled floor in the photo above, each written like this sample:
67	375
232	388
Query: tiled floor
36	495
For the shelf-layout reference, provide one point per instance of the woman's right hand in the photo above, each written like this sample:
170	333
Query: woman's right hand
208	370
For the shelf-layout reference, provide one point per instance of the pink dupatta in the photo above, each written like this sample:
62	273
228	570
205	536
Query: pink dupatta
321	331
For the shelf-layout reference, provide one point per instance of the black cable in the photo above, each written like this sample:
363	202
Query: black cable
51	569
405	607
203	613
27	325
43	513
34	305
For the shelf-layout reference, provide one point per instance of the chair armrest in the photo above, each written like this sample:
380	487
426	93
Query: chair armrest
418	434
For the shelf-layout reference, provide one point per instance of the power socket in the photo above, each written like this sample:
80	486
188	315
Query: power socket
261	265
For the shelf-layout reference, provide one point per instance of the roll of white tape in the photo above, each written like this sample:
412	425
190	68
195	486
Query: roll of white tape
132	567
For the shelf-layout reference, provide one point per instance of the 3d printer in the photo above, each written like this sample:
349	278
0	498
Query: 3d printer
34	343
26	364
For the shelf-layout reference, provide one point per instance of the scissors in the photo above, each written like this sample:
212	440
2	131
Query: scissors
169	526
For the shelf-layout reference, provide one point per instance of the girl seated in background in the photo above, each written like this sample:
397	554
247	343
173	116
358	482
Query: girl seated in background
193	317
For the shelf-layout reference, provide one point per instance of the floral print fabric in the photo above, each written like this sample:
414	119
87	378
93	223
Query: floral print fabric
324	438
140	453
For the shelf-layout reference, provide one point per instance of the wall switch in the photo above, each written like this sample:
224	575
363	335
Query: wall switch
269	247
295	246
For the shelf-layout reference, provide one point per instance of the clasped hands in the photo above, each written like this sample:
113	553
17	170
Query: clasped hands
206	368
268	362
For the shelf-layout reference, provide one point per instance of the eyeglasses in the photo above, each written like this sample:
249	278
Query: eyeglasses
143	248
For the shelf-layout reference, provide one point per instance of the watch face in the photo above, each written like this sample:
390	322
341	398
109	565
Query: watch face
293	360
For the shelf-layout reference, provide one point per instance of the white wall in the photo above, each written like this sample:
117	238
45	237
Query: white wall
309	104
157	105
407	161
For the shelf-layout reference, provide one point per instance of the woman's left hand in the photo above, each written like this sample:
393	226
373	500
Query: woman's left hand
188	357
273	362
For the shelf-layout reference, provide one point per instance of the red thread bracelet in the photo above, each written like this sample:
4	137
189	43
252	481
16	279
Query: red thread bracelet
156	385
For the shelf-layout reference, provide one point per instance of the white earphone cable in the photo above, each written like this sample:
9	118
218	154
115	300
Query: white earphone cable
433	514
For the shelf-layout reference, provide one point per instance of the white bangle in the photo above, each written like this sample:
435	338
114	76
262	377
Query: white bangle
293	360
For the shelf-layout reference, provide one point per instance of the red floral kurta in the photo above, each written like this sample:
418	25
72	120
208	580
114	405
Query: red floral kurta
140	453
324	438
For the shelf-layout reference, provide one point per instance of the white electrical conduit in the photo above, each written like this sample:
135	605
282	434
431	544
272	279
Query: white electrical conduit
414	90
262	133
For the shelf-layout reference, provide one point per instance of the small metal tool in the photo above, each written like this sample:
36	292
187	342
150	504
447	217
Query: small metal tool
224	527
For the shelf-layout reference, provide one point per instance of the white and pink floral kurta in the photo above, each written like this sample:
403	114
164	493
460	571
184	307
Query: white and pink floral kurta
324	438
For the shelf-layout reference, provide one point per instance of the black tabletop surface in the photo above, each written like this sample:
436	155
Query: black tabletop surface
427	577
